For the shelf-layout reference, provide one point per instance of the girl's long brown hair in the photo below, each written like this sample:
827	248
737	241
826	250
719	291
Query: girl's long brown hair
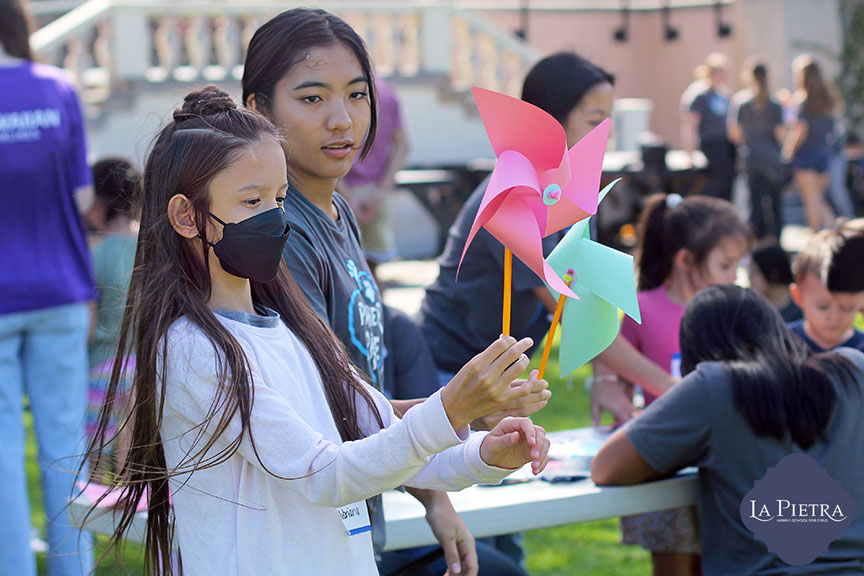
818	97
171	280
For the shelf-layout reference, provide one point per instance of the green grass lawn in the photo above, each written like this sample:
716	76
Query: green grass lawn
589	549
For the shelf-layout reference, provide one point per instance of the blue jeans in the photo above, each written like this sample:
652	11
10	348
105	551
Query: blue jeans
43	354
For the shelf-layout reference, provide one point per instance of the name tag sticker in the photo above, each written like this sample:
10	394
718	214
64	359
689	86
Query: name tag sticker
355	518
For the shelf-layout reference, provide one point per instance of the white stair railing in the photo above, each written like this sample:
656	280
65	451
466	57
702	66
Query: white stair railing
112	44
77	41
486	55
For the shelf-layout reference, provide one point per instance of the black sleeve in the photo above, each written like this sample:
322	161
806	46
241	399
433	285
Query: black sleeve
410	371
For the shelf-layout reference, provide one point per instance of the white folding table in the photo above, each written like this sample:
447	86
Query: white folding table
490	510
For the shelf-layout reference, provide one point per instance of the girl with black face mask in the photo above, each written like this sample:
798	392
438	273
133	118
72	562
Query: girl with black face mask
310	73
245	407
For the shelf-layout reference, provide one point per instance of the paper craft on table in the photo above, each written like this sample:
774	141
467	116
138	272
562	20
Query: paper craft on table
538	186
577	443
604	281
570	454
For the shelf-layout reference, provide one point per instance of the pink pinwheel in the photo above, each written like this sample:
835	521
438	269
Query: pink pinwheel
538	187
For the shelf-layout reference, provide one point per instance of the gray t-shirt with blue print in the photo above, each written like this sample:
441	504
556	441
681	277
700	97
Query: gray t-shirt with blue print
326	259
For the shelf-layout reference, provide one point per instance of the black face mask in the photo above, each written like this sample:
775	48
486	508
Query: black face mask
252	248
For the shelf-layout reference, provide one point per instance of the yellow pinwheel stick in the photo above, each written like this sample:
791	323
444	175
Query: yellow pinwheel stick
568	279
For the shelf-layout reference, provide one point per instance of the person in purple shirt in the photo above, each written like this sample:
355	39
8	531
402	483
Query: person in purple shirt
45	283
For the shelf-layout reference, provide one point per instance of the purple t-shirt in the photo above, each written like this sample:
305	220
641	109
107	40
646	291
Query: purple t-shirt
370	169
44	260
657	336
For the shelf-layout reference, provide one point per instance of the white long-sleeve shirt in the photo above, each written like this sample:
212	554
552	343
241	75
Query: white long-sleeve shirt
236	518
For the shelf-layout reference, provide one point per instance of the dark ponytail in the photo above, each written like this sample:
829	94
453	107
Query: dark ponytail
760	78
669	224
653	264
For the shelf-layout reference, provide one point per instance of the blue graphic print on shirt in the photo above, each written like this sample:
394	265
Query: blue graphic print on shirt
366	304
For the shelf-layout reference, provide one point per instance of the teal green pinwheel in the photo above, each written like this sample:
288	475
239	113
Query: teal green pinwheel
603	280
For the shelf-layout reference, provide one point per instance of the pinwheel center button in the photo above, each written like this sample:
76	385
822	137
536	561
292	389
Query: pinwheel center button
552	194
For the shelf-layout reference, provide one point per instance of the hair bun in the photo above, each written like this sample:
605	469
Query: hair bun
205	102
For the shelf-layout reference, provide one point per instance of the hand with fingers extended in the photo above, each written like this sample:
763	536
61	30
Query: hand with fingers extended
515	442
531	403
483	385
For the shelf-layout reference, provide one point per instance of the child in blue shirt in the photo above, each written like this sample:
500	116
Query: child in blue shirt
829	314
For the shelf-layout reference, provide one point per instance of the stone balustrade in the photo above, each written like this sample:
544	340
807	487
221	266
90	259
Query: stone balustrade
109	45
